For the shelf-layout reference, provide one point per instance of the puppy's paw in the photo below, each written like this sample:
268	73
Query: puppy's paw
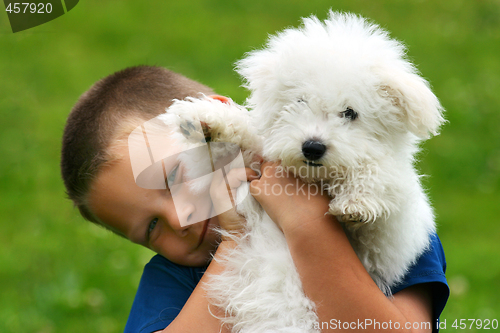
355	217
194	131
352	211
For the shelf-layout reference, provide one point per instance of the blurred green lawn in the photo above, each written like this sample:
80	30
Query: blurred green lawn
58	273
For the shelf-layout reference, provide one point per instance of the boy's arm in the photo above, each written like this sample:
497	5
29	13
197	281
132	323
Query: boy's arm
331	273
334	278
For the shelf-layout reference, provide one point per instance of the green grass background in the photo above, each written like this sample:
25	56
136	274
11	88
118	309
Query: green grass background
59	273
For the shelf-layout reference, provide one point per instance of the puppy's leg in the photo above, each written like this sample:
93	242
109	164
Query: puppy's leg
212	120
362	195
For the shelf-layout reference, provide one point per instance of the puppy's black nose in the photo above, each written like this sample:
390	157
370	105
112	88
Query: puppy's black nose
313	150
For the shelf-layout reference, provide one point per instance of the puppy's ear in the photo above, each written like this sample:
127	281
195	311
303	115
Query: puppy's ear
421	111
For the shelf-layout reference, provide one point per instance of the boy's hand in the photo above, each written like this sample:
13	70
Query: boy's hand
223	195
289	202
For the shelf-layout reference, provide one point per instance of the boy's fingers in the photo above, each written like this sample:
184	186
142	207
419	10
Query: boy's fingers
254	188
251	174
258	158
270	164
237	176
234	178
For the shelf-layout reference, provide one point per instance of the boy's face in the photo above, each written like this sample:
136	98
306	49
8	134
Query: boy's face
148	217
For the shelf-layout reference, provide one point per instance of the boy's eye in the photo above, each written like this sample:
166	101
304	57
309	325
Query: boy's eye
152	225
172	175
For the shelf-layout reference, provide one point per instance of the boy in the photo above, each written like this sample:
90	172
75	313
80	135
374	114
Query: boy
98	176
95	156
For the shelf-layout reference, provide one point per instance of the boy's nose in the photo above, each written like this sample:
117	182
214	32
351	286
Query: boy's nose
179	229
174	222
184	217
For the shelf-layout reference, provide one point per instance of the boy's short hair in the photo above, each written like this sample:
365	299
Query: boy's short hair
111	108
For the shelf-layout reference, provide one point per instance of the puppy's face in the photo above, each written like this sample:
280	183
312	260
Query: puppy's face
337	94
315	131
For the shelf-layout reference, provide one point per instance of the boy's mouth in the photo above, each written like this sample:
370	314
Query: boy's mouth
203	232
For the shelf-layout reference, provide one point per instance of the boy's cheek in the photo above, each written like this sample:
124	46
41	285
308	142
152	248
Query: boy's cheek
180	251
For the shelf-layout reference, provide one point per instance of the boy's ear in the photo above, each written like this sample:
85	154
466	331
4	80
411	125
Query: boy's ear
223	99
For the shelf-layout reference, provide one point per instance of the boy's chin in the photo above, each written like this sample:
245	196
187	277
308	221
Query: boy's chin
198	259
203	258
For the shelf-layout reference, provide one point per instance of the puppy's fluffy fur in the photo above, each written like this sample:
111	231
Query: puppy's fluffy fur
338	102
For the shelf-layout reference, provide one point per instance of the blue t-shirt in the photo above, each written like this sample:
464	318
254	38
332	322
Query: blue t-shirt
165	288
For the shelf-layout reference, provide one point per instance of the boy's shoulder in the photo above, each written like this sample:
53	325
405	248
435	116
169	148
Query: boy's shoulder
159	265
163	290
429	269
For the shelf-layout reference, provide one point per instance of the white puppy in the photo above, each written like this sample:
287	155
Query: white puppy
335	101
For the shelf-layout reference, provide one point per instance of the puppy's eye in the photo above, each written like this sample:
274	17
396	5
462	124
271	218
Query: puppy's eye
349	114
301	100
